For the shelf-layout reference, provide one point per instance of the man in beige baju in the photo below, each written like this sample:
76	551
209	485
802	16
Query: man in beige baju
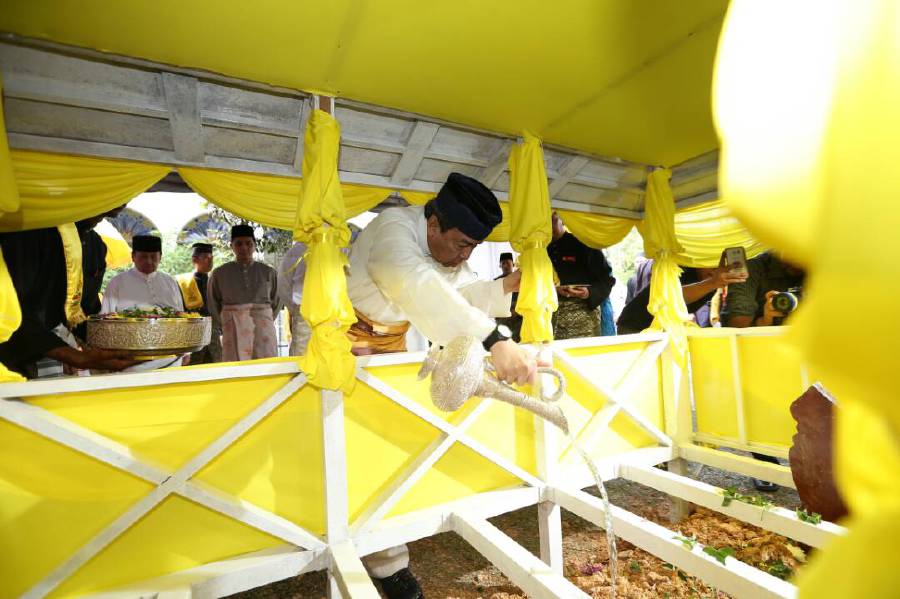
243	301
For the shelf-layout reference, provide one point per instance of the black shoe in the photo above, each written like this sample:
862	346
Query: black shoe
401	585
764	486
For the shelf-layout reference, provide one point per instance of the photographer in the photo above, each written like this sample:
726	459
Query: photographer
755	303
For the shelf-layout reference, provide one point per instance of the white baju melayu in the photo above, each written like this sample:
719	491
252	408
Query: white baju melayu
393	280
133	288
291	272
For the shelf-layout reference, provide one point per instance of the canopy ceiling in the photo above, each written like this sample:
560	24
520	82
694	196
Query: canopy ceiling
608	77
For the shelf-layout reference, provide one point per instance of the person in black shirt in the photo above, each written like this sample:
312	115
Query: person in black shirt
585	280
37	266
514	320
193	291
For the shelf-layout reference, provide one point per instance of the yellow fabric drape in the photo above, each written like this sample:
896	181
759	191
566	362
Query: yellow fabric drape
71	242
658	230
10	312
321	224
118	252
596	230
813	171
58	188
267	199
704	231
530	233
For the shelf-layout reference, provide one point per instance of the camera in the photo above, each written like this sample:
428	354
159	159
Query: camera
787	301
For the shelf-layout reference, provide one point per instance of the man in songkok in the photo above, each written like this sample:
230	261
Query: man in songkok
142	286
243	301
47	267
585	281
409	267
514	320
193	291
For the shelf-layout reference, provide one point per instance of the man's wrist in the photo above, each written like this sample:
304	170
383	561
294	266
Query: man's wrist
500	333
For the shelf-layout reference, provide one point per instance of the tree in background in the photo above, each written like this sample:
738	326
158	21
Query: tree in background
272	243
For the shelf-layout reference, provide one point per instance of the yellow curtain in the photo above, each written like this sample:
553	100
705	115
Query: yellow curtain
10	313
58	188
118	252
321	224
658	230
813	171
596	230
707	229
267	199
530	233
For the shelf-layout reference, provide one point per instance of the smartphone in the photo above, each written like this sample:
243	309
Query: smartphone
736	260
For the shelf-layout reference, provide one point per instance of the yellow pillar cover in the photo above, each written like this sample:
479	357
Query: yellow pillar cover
666	299
530	233
321	224
10	313
806	104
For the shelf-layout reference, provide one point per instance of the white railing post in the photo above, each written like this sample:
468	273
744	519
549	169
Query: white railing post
676	391
337	527
546	438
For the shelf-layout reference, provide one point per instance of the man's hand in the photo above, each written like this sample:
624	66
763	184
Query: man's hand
769	312
723	276
512	281
97	359
514	364
580	292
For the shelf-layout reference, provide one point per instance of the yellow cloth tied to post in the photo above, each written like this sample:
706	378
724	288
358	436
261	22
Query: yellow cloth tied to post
190	291
530	233
658	229
321	224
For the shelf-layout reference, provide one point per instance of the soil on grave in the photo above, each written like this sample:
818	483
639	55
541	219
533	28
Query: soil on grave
449	568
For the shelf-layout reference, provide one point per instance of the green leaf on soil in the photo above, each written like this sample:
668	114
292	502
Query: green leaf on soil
719	554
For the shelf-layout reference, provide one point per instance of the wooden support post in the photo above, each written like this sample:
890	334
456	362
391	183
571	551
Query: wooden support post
347	574
676	390
335	471
546	447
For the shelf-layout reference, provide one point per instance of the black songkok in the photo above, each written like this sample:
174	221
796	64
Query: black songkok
146	243
466	204
201	248
241	231
506	256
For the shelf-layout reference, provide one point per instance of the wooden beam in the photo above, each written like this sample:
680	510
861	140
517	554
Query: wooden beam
734	577
775	519
349	573
497	164
184	116
305	111
416	146
568	171
776	451
534	577
778	474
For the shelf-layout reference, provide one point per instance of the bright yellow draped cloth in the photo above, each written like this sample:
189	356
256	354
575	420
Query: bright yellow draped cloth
58	188
658	230
707	229
530	233
267	199
321	224
596	230
10	313
118	252
806	104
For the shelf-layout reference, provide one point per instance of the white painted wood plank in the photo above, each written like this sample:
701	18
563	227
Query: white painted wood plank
777	520
546	439
386	501
416	146
251	573
764	448
447	428
570	170
349	572
335	468
305	111
734	577
497	164
738	390
184	116
589	342
533	576
146	379
778	474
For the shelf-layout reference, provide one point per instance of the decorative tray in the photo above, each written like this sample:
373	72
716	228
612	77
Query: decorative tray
149	331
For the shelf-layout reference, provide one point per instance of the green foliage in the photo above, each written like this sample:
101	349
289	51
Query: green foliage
621	256
718	554
732	494
269	240
634	567
778	568
688	542
809	517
